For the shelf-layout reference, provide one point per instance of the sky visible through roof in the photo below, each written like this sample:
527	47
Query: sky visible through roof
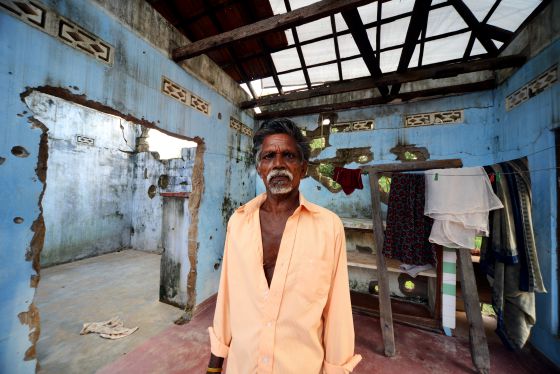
319	45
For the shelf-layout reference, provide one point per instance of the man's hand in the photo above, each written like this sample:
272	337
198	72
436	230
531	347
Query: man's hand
215	362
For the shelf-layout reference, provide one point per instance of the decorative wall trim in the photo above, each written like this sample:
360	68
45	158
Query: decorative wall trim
533	88
75	36
434	118
39	16
240	127
174	90
364	125
80	139
27	11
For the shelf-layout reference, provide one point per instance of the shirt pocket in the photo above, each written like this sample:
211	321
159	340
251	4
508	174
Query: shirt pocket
314	279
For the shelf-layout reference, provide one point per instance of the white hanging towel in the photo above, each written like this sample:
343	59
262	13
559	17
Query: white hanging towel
459	201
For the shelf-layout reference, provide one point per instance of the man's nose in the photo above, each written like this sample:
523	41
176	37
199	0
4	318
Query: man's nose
278	162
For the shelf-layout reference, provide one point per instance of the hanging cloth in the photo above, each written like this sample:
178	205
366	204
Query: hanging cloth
408	229
509	257
459	201
349	179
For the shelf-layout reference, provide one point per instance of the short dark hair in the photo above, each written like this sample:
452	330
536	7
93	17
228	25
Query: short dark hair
281	126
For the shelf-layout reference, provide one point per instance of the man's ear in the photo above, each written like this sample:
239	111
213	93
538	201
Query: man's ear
304	168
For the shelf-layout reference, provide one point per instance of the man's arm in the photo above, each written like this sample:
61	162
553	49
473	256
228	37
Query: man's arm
339	326
220	332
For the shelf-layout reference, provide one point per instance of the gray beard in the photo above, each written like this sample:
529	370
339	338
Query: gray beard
279	190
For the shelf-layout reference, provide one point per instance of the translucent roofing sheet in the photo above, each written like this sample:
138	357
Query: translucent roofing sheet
510	14
444	20
317	40
394	33
314	29
445	49
323	74
318	52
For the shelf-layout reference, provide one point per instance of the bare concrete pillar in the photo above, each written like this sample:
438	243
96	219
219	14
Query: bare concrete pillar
175	263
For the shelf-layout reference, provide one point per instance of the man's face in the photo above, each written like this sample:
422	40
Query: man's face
280	165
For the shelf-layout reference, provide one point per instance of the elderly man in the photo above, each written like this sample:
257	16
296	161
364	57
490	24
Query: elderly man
283	304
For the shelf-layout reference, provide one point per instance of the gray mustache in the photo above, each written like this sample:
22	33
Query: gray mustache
279	173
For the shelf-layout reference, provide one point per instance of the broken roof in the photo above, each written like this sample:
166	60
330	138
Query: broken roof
283	50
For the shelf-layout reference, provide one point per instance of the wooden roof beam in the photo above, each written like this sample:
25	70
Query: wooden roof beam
440	91
443	70
473	23
354	22
418	22
277	23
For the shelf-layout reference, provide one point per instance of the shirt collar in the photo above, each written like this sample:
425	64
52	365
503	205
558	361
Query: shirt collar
254	204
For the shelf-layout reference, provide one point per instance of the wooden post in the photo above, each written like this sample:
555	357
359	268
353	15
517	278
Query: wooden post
479	346
385	313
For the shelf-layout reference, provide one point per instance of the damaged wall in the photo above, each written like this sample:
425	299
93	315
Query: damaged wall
130	86
488	134
87	204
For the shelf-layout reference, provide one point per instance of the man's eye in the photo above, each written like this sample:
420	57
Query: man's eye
268	156
290	156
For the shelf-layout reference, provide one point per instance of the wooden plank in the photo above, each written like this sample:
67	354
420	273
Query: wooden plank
354	23
414	165
473	23
418	22
277	23
428	324
385	314
413	75
358	223
440	91
477	336
369	261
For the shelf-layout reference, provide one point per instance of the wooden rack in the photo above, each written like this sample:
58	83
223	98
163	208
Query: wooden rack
479	347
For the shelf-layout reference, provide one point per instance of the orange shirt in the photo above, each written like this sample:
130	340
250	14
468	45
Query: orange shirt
303	323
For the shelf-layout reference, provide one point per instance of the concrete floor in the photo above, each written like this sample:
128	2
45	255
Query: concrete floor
126	284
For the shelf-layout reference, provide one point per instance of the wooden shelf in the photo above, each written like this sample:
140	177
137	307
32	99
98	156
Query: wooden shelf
358	223
369	261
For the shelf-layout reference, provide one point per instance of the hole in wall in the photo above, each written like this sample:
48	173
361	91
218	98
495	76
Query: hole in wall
152	191
108	191
163	181
18	220
373	288
2	160
20	151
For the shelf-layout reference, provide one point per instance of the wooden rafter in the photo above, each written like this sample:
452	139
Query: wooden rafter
472	38
391	48
298	48
418	22
433	92
336	48
277	23
377	24
473	23
266	51
442	70
354	22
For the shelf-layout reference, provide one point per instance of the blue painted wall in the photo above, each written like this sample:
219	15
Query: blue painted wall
31	58
488	135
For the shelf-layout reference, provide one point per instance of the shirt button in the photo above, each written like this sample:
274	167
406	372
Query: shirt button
265	360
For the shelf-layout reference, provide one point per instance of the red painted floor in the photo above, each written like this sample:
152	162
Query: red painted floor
186	349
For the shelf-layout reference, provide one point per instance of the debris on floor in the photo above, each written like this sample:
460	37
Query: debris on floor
111	329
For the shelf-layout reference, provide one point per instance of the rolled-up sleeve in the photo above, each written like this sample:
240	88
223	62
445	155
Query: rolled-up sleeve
338	338
220	332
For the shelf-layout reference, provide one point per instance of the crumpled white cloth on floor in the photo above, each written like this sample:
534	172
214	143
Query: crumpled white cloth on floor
459	201
111	329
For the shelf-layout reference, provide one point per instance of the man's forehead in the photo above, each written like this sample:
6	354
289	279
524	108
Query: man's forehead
279	140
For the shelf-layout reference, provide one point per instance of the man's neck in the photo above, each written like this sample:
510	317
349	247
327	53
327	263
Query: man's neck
281	203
